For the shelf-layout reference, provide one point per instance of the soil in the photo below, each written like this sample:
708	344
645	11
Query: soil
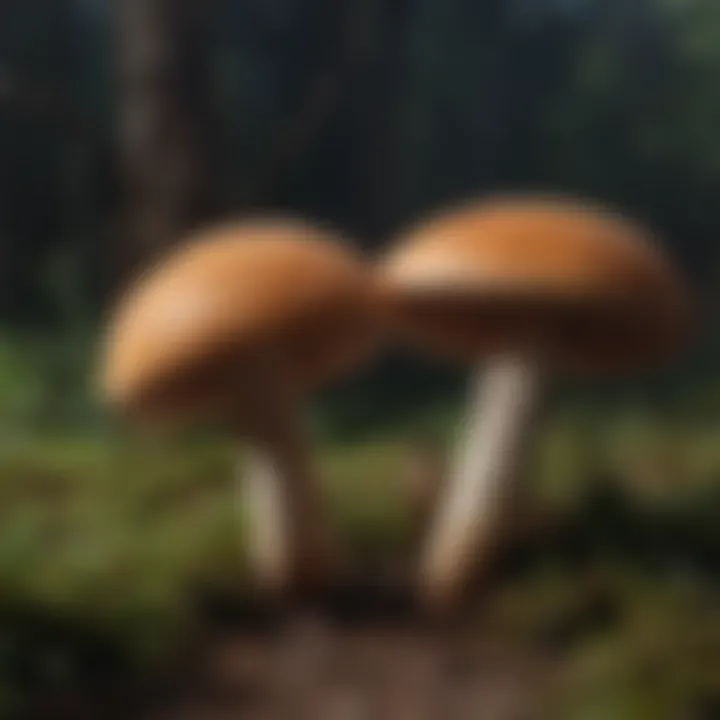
370	660
366	655
375	671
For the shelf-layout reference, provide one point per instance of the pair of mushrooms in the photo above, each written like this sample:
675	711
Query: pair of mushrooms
243	322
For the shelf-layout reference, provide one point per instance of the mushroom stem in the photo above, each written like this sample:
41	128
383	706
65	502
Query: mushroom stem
288	538
487	465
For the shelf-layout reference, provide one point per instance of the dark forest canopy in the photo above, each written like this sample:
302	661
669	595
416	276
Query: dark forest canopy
363	112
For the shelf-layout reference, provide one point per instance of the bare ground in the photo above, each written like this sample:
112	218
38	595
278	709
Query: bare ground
370	661
316	671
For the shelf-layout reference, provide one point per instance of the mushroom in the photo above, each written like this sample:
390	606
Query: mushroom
533	286
239	325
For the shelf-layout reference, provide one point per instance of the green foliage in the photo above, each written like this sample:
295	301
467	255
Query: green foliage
108	547
46	386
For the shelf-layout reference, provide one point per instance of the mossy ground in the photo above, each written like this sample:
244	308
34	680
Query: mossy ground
108	549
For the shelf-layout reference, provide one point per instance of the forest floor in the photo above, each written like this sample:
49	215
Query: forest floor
372	657
364	653
373	670
124	591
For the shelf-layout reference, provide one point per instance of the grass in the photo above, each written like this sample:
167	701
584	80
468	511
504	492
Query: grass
115	539
108	545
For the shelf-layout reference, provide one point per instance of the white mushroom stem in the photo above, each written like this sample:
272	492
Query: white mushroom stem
484	478
287	535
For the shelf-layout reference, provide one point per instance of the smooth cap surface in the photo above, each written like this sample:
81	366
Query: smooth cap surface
233	308
578	283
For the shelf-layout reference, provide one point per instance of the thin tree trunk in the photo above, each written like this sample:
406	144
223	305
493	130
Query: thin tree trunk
326	89
377	105
162	53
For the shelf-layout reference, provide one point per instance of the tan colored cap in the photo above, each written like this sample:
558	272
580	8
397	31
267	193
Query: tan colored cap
236	301
573	280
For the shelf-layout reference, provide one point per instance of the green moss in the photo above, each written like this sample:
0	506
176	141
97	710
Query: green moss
108	543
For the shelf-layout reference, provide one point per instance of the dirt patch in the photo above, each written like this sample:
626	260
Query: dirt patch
365	655
374	660
314	670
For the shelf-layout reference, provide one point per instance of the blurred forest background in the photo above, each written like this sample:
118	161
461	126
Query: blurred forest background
126	123
122	126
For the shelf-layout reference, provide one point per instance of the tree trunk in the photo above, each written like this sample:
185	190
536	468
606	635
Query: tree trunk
376	110
162	124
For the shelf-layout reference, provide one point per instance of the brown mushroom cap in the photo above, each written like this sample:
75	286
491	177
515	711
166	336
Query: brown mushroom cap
572	280
239	300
